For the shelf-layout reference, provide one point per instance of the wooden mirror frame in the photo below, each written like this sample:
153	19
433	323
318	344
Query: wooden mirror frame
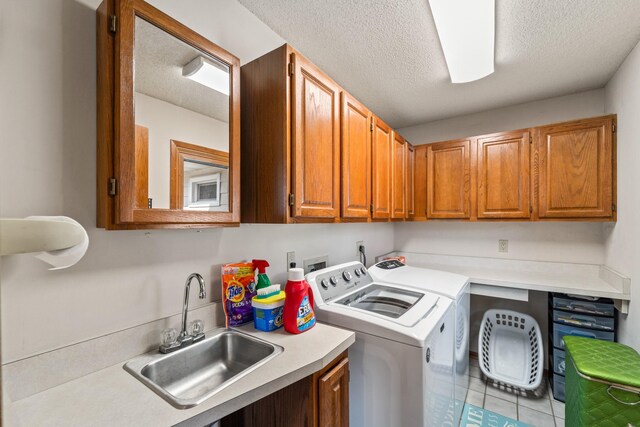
181	151
116	122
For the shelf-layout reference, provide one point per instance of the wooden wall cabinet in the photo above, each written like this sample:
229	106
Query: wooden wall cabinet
398	177
563	171
410	173
576	169
503	175
356	124
319	400
419	185
382	143
291	139
449	189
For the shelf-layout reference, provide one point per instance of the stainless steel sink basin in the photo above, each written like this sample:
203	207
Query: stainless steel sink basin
190	375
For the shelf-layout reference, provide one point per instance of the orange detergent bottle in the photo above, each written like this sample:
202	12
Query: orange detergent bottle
298	304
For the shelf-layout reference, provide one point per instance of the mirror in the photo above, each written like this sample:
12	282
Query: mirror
168	123
181	107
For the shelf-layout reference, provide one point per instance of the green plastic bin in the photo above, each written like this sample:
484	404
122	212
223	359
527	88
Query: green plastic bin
602	384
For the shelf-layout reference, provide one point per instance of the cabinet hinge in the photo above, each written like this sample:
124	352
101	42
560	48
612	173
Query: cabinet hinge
292	199
613	128
530	209
113	23
112	186
371	208
292	68
371	126
530	140
613	207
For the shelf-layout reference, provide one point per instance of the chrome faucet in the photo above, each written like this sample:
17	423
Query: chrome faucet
184	338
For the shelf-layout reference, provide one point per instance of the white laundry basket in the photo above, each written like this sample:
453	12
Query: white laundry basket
511	350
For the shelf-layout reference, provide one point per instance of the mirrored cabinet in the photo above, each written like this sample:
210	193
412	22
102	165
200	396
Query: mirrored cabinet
168	123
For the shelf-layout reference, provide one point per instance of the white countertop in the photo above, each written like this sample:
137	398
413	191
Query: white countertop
578	279
113	397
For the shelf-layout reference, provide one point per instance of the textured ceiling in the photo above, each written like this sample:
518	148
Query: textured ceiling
159	58
387	53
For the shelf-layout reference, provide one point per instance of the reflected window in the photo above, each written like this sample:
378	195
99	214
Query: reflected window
204	191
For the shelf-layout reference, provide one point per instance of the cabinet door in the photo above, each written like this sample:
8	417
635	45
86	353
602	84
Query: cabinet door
410	197
356	158
449	179
381	171
398	177
333	396
420	183
503	175
315	156
576	169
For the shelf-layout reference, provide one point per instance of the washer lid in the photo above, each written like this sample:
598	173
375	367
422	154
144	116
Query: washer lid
383	300
388	303
441	282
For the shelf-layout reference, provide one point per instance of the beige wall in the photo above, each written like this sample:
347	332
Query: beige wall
622	96
47	167
569	107
165	122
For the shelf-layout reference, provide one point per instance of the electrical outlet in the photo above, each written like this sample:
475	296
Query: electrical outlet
503	246
291	259
358	244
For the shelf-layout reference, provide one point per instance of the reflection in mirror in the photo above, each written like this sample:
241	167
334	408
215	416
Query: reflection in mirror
199	178
181	94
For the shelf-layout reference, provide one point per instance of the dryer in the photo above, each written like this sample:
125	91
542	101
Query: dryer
454	286
401	365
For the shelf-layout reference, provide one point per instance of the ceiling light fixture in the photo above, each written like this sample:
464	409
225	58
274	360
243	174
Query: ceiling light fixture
467	34
208	73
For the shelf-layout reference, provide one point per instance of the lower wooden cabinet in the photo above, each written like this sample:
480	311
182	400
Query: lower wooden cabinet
319	400
333	396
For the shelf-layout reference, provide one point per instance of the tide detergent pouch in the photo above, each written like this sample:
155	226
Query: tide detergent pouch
238	287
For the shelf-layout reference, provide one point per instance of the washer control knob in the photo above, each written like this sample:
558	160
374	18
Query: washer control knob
363	271
357	271
324	283
346	275
334	280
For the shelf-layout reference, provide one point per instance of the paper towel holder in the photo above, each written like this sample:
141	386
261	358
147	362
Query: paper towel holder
19	236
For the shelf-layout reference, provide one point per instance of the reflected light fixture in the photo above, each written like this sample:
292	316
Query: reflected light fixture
466	29
208	73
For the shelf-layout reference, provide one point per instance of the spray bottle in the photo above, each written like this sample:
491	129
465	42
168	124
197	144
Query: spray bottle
263	280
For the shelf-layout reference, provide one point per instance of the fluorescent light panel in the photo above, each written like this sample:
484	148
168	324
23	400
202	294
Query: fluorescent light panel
208	73
467	34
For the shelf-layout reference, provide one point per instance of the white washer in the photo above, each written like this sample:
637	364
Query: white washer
454	286
401	365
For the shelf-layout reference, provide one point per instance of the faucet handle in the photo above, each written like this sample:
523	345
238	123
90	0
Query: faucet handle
196	327
169	336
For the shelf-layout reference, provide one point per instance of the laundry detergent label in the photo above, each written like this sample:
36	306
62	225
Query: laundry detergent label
238	287
306	318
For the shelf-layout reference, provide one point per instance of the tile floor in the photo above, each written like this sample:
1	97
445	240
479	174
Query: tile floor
542	412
